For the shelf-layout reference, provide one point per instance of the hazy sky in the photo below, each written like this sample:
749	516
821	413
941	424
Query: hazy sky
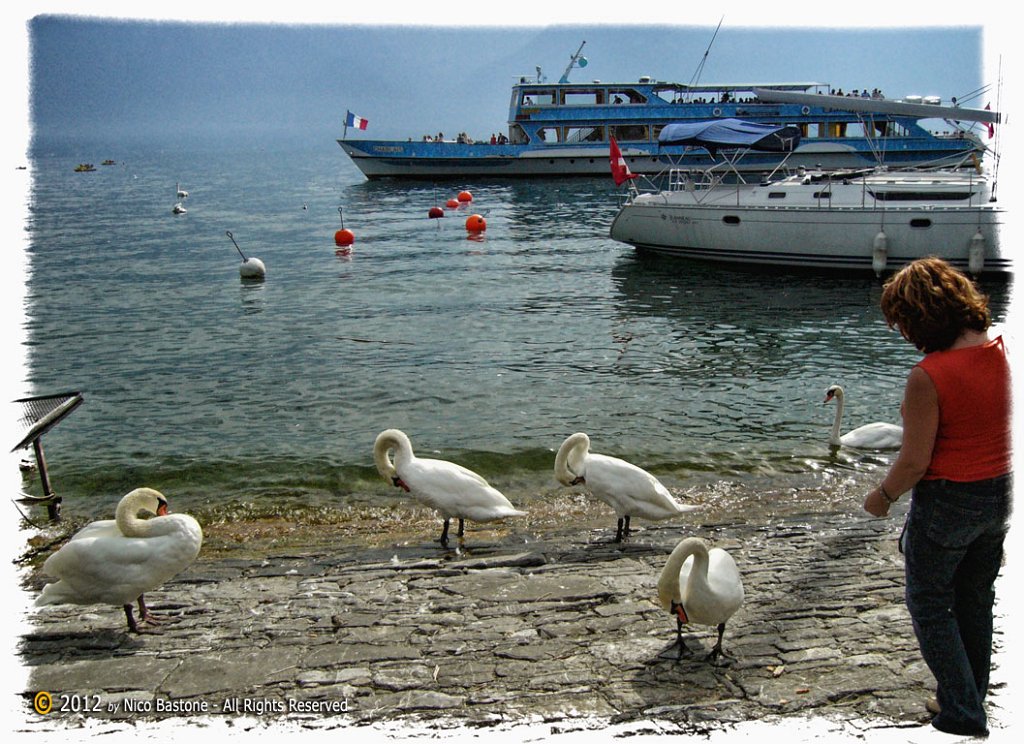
109	76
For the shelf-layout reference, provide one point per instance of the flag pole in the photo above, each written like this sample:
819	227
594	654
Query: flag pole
344	133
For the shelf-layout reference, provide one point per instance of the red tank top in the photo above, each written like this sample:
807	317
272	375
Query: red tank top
973	439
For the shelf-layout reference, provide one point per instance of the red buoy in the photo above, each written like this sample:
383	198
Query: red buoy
344	237
476	223
435	212
452	203
465	196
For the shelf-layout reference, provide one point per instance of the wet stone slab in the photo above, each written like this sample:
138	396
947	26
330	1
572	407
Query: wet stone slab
567	629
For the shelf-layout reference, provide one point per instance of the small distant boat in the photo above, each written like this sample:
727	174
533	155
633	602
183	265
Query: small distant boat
84	168
872	219
108	162
179	208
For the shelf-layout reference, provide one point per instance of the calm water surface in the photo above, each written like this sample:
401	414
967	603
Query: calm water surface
229	395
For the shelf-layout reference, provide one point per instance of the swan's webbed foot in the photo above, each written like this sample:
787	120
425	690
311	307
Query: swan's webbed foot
717	649
133	626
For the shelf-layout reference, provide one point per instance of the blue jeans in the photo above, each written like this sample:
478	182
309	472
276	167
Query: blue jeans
954	550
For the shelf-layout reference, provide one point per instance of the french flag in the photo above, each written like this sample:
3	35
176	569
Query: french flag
351	120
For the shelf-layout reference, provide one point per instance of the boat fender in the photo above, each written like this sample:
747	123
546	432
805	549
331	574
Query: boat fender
717	111
805	110
976	253
879	252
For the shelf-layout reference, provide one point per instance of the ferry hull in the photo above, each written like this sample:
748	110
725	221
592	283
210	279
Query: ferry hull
839	240
427	160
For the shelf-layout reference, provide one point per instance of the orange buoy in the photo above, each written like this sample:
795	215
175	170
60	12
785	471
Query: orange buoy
435	212
452	203
476	223
344	237
465	196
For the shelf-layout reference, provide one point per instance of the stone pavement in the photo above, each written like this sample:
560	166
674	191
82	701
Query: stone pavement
556	628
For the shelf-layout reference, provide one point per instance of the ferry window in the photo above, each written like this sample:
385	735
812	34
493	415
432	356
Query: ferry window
548	134
538	97
584	134
516	135
854	129
581	97
625	95
630	132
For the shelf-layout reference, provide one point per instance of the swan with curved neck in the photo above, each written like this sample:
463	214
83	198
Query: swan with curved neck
454	491
629	490
115	561
701	586
877	435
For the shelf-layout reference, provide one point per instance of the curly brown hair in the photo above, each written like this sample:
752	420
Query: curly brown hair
931	304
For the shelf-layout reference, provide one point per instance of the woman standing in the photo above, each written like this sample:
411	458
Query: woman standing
956	458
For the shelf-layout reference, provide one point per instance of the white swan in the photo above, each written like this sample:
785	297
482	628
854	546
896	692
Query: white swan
115	561
700	586
451	489
182	194
877	435
629	490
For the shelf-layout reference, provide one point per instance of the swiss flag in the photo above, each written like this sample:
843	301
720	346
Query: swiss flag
991	128
620	171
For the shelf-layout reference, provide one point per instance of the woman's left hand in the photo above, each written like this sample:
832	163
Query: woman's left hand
876	504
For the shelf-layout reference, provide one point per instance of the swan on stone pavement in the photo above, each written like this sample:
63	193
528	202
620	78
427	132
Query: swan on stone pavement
115	561
700	586
629	490
454	491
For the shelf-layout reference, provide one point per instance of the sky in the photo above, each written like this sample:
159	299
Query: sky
292	69
119	77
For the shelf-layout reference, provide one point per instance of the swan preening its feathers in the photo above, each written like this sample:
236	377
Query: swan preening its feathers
115	561
700	586
877	435
451	489
629	490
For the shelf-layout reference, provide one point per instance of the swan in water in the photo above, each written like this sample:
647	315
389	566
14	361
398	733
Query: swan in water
182	194
115	561
877	435
700	586
629	490
451	489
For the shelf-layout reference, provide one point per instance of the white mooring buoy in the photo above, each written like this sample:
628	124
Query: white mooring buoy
251	268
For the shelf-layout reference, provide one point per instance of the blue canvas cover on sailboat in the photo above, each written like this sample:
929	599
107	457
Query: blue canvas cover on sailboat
724	134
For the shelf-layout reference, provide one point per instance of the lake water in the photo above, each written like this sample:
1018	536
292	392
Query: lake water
233	396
